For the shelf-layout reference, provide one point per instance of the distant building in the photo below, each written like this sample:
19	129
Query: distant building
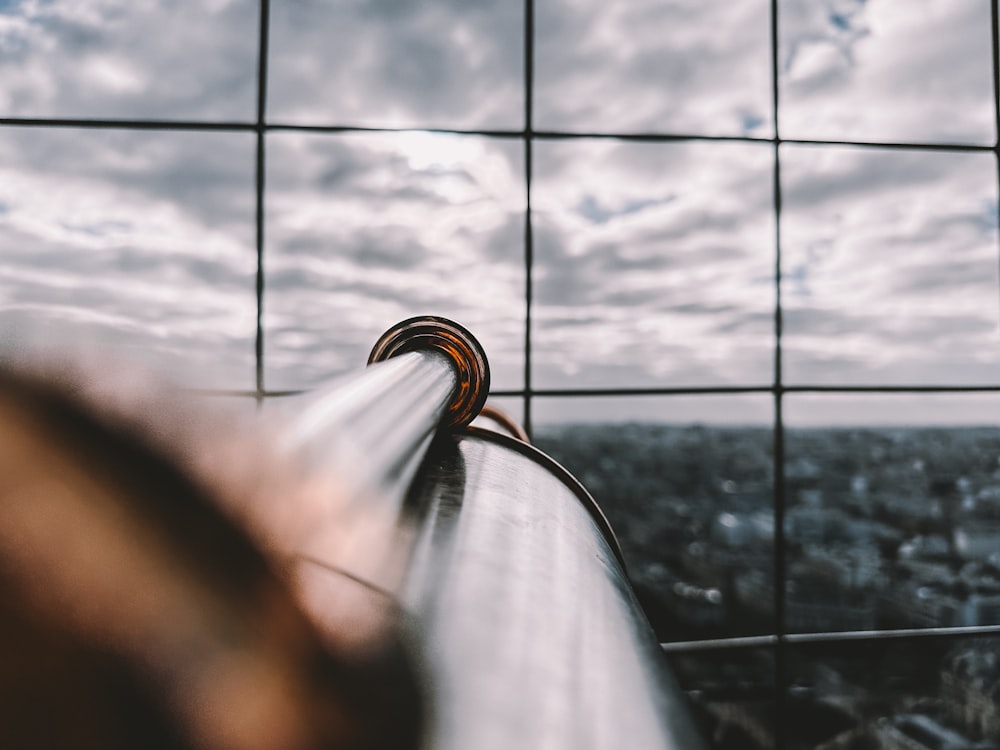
808	524
979	610
743	529
977	540
697	606
813	603
839	613
970	689
754	591
859	486
925	547
921	732
848	566
918	604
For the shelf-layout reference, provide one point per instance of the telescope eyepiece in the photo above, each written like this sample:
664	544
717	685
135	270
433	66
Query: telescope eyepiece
460	347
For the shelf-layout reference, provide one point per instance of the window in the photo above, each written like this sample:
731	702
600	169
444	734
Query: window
748	250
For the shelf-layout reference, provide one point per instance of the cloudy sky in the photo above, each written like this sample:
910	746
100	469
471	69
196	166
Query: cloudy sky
653	260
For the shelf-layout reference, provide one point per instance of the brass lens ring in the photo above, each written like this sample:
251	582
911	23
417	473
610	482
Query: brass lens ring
464	352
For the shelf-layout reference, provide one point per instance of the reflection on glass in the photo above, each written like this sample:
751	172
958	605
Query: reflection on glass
686	484
117	58
886	70
921	693
437	63
889	267
135	240
648	66
653	264
731	696
367	230
893	516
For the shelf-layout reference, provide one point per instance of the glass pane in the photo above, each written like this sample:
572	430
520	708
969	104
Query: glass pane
653	264
918	693
366	230
686	484
117	58
648	66
438	63
140	241
889	267
893	513
891	70
731	694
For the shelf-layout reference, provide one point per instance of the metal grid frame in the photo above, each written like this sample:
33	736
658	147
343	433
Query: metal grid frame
780	640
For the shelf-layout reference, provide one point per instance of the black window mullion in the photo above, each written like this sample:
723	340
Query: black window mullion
780	667
260	128
995	42
529	250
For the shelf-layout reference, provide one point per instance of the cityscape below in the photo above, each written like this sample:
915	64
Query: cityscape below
884	528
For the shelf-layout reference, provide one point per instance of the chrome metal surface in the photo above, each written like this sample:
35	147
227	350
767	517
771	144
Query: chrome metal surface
371	428
493	557
355	445
530	631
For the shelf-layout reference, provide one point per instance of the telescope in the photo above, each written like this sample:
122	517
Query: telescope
376	563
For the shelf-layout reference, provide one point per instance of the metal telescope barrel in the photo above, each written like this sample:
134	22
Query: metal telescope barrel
516	599
363	437
466	590
532	634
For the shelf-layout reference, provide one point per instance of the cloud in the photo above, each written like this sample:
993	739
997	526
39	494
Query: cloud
886	70
647	66
894	267
675	282
396	64
133	240
653	262
106	58
365	230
